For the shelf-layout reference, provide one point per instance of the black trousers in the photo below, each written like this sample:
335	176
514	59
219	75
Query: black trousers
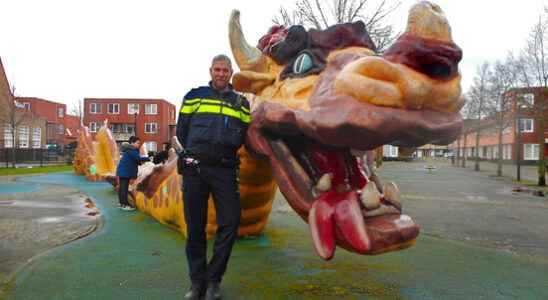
123	187
198	183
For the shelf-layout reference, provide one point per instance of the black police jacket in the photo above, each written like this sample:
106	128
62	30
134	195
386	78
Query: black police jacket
212	124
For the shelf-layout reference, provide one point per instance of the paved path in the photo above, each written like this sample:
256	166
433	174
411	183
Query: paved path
134	257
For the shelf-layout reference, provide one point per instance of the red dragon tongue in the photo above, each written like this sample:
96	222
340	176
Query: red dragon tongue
342	210
350	221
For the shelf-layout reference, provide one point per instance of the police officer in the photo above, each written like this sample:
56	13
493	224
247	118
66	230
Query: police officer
212	125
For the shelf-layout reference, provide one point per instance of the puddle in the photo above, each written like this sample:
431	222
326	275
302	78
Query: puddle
50	220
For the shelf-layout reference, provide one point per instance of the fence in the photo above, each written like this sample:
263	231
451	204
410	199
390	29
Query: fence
35	157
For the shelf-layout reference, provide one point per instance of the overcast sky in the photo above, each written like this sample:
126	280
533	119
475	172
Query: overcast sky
68	50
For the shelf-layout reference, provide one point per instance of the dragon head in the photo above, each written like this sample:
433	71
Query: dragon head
321	97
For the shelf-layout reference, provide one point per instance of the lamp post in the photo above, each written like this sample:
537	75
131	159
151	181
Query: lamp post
518	140
135	124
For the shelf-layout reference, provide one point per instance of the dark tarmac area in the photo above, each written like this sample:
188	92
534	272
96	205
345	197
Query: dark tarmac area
479	240
474	207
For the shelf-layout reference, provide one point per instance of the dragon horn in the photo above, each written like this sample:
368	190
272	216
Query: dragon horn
247	57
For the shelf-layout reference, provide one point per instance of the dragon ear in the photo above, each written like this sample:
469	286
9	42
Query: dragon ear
252	82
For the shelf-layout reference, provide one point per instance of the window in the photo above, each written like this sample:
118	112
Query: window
36	137
60	112
172	114
129	128
23	136
390	151
117	128
150	127
150	146
113	108
526	125
530	151
60	129
133	108
151	109
8	136
92	127
507	151
95	108
26	105
527	100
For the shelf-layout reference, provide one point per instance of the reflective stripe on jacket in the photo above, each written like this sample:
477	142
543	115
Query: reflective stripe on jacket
212	124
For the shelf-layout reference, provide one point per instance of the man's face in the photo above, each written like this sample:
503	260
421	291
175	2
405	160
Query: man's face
220	74
137	144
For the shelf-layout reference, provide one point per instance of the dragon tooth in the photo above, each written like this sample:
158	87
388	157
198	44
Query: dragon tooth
324	184
392	194
370	196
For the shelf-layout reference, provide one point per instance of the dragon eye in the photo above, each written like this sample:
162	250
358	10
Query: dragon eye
302	64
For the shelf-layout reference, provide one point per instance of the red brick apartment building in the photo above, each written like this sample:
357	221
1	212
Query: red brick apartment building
153	120
488	144
42	122
61	128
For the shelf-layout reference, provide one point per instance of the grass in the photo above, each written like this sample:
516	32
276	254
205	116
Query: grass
35	170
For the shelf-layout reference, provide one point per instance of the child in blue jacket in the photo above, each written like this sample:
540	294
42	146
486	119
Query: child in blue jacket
127	169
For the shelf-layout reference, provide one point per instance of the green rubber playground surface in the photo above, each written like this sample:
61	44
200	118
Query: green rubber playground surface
134	257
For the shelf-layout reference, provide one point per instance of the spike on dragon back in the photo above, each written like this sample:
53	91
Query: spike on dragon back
322	98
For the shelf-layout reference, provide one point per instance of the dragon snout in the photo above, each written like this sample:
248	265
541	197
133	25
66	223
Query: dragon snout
381	82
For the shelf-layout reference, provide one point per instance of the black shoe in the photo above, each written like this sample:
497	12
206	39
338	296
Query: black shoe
194	292
213	291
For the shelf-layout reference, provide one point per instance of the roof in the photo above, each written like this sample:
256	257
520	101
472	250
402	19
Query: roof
21	99
4	83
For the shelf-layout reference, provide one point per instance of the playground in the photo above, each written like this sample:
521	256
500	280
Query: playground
478	240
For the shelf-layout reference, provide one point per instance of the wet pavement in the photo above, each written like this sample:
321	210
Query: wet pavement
478	241
35	218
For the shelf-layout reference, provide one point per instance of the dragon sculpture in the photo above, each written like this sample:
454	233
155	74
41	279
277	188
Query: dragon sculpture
321	98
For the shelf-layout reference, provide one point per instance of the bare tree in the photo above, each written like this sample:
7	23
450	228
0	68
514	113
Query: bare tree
77	109
478	96
467	113
12	115
322	14
532	71
501	80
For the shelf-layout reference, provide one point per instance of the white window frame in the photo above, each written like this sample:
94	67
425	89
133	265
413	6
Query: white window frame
60	112
507	151
131	110
95	108
150	126
114	111
8	136
149	110
26	105
126	128
92	126
525	129
528	100
530	151
390	151
36	138
23	135
149	148
60	129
